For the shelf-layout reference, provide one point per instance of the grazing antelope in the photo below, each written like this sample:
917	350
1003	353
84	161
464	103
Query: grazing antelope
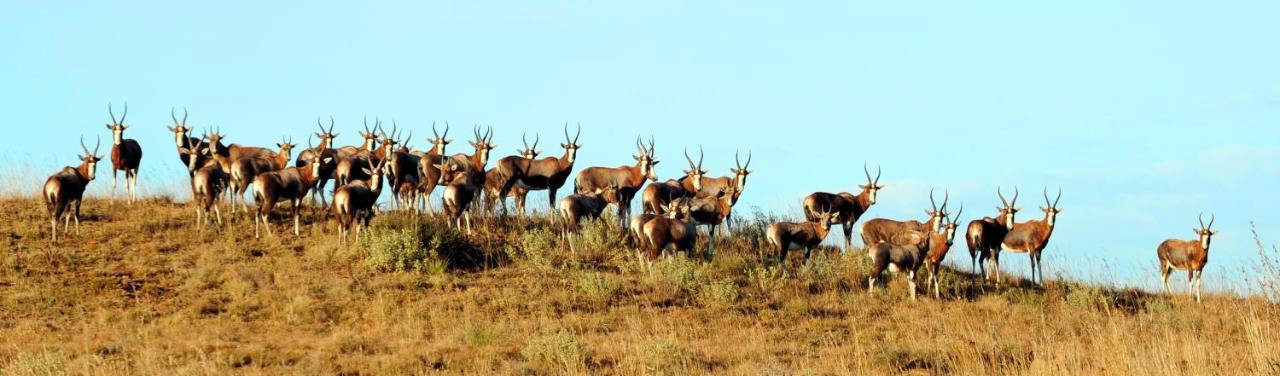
540	174
884	230
849	207
1189	255
183	140
428	166
66	188
126	155
244	170
672	229
985	235
785	236
208	179
938	248
1031	237
905	256
711	212
326	150
458	193
354	202
627	178
656	196
575	206
290	184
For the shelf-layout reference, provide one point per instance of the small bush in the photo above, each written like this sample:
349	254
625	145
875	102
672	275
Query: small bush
661	356
1087	297
430	248
37	364
677	275
560	350
766	280
719	294
598	289
478	335
539	248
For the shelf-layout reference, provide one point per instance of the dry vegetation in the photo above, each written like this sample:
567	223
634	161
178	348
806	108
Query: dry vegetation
140	292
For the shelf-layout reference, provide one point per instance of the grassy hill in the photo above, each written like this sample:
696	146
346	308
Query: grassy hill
141	291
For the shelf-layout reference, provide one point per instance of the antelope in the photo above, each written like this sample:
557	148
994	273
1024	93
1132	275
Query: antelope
627	178
847	206
326	150
938	248
884	230
126	155
208	179
493	182
1189	255
402	174
475	163
785	236
711	212
429	174
906	255
354	202
183	140
575	206
458	193
985	235
671	229
656	196
370	137
1031	237
352	167
738	181
288	184
66	188
538	174
244	170
496	179
233	153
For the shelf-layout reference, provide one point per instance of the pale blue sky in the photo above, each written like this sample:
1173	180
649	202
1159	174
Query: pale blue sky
1144	112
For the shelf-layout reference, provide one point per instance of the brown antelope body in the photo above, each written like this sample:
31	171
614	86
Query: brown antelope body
1031	237
326	151
576	206
985	235
352	168
847	206
709	186
208	179
243	171
66	188
906	255
710	212
290	184
786	236
1189	255
126	155
628	179
429	174
183	140
937	252
353	203
671	229
459	191
539	174
882	230
657	196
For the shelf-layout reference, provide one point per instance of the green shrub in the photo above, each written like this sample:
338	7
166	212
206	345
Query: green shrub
560	350
430	248
598	289
721	293
539	247
675	275
1087	297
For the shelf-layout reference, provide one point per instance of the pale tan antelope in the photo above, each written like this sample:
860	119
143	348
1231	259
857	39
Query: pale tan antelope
208	179
938	248
1031	237
656	196
884	230
459	192
985	235
576	206
904	255
1189	255
326	150
290	184
786	236
126	155
849	207
540	174
66	188
629	179
672	229
353	203
428	166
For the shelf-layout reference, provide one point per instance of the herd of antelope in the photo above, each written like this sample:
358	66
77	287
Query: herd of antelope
672	210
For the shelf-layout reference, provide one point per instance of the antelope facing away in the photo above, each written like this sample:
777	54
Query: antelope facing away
126	155
290	184
576	206
938	248
627	178
785	236
66	188
903	256
1031	237
985	235
208	179
354	202
847	206
1189	255
656	196
882	230
459	192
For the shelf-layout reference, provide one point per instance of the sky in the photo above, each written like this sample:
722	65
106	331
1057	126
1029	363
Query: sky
1144	113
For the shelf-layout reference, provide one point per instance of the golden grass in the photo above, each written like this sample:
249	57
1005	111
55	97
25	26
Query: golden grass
140	292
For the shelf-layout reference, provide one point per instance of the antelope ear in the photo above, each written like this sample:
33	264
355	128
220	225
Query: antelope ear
864	186
124	126
1214	232
327	159
367	171
655	162
473	143
110	127
280	145
566	146
184	150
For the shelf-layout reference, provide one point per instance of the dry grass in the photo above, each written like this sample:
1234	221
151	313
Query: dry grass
140	293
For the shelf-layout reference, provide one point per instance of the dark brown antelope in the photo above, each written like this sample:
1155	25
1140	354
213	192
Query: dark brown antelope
1189	255
576	206
402	172
459	192
496	179
183	140
711	212
290	184
245	170
985	235
938	248
786	236
848	206
326	150
66	188
352	167
881	230
476	162
126	155
670	229
353	203
656	196
1031	237
208	179
428	166
540	174
627	178
903	256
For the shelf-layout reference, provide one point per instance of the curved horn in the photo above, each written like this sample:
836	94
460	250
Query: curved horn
1015	196
330	124
173	116
99	143
488	137
434	131
878	172
1002	200
1212	217
475	132
651	149
87	153
931	202
639	144
184	116
577	135
1055	201
701	156
446	131
957	216
366	125
868	173
692	166
1201	218
112	112
566	133
945	200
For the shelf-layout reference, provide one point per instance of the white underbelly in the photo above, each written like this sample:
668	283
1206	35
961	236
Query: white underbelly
1014	250
893	268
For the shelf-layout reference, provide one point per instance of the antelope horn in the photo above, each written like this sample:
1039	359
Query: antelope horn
639	144
878	172
366	124
945	200
1212	217
750	155
701	156
125	114
868	173
736	162
330	124
86	151
434	131
566	133
488	137
1055	201
577	135
651	150
475	131
957	216
446	131
1015	196
99	143
1201	218
931	202
691	164
318	125
112	112
1002	200
184	116
174	117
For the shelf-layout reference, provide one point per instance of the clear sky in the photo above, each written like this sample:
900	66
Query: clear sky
1146	113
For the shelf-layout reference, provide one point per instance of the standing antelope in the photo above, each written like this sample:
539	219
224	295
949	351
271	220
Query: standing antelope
711	212
126	155
906	255
429	166
849	207
884	230
245	170
938	248
66	188
1031	237
476	162
458	194
985	235
739	182
354	202
627	178
575	206
671	229
656	196
785	236
233	153
538	174
183	141
1189	255
326	150
208	179
290	184
352	167
496	179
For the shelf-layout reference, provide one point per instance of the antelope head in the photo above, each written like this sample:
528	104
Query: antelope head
646	160
90	159
937	215
571	146
447	170
389	141
953	224
1205	232
828	217
370	135
1009	208
315	160
215	139
1051	211
872	187
679	208
286	148
483	144
117	127
741	171
193	154
609	193
529	152
695	171
439	143
179	128
326	135
376	172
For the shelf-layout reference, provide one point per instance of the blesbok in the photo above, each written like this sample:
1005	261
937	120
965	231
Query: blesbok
66	188
739	181
493	182
1189	255
245	170
290	184
459	192
903	256
711	212
352	167
126	155
326	150
183	140
235	152
353	203
402	174
938	248
476	162
786	236
428	166
985	235
369	139
848	206
576	206
672	229
496	179
884	230
540	174
1031	237
656	196
627	178
208	179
